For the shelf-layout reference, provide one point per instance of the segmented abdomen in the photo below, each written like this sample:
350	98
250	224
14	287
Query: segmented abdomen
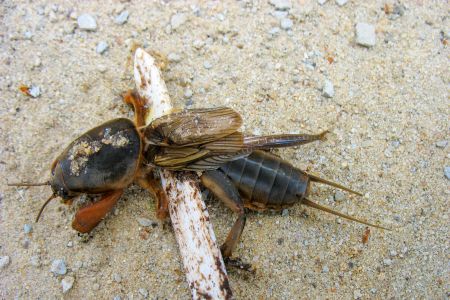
266	181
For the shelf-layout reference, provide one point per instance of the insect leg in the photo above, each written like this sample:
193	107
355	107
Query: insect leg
222	187
138	103
149	183
88	217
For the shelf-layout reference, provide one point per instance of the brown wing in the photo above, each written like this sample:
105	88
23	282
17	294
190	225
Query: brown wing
193	127
202	157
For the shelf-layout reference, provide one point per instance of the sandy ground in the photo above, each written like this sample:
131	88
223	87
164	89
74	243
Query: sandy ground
390	108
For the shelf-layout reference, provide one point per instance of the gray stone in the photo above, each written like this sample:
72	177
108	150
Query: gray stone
207	65
101	47
59	267
357	294
365	35
188	93
35	261
341	2
87	22
325	269
286	23
173	57
122	18
274	30
281	4
328	89
442	144
339	196
67	283
177	20
34	91
143	292
27	228
447	172
285	212
198	44
322	2
145	222
4	261
117	278
387	262
279	14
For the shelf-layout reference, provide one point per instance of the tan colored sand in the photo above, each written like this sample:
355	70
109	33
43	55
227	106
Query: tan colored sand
391	106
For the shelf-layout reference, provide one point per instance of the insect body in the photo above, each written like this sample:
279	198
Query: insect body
263	181
108	158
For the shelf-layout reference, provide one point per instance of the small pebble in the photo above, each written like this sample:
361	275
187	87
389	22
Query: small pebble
117	297
285	212
274	30
4	261
34	91
69	28
27	228
328	89
59	267
325	269
143	292
387	262
357	294
67	283
122	18
69	244
295	79
87	22
281	4
96	286
101	47
198	44
339	196
26	243
373	290
102	68
442	144
322	2
177	20
207	65
27	35
447	172
117	278
188	93
280	14
173	57
365	35
341	2
145	222
393	253
35	261
286	23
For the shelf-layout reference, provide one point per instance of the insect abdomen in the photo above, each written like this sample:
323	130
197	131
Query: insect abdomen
266	181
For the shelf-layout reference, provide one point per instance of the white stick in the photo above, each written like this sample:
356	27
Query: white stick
202	260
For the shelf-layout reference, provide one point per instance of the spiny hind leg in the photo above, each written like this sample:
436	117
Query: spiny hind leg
87	218
222	187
